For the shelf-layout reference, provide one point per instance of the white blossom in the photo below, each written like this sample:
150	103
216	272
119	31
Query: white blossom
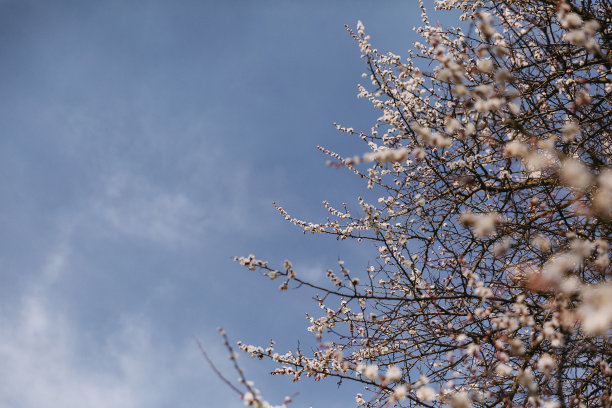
574	174
426	394
393	373
571	20
596	309
546	363
461	400
400	392
485	65
371	372
503	370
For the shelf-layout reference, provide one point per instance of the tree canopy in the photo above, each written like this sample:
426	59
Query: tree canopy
492	164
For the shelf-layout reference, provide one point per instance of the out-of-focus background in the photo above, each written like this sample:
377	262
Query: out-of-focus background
141	146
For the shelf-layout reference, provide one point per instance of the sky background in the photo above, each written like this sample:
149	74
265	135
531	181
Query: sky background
141	146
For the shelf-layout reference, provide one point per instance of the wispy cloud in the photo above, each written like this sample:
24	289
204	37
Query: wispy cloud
133	206
311	272
48	362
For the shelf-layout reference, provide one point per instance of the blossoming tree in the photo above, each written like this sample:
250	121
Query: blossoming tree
492	161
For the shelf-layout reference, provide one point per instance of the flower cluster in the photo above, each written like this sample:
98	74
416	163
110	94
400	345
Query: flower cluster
489	203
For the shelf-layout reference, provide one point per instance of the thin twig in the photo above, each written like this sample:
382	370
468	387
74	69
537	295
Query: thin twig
212	365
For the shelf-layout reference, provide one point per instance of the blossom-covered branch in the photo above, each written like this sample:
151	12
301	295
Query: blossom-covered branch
492	162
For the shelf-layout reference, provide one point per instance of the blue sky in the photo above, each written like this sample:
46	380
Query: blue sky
142	144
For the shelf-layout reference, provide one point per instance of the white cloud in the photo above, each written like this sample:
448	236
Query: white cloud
48	361
134	207
310	272
39	369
